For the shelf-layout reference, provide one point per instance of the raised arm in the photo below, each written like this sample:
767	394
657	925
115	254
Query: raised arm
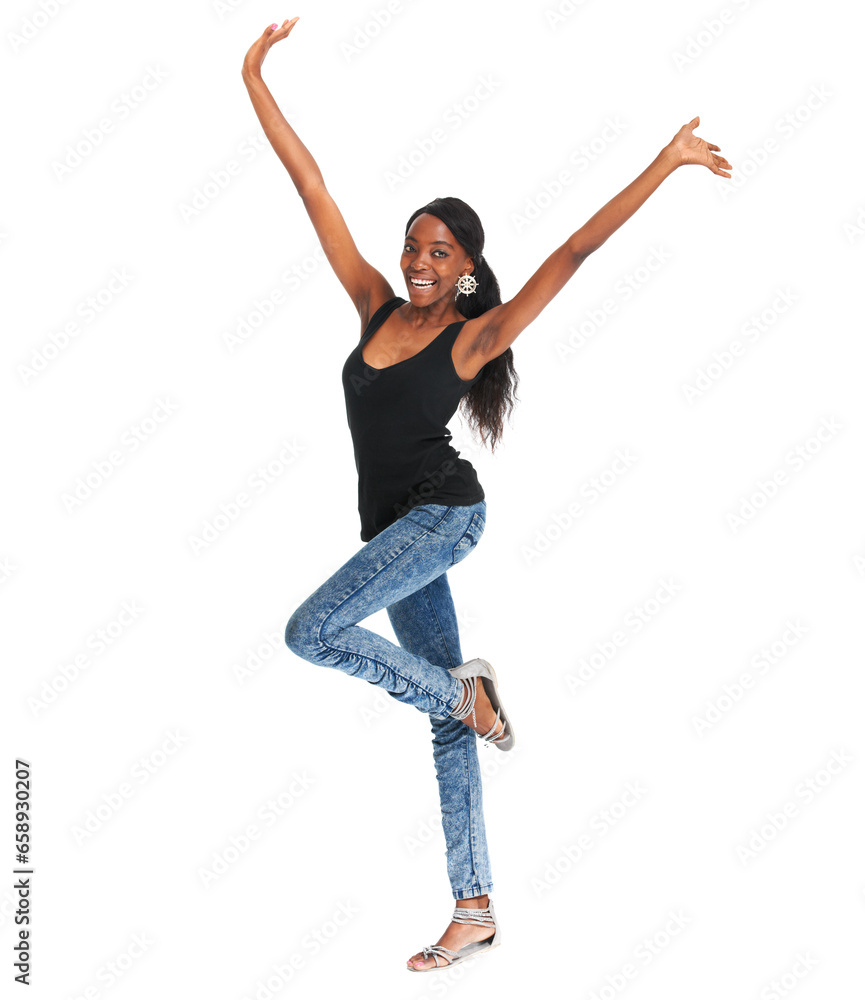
502	324
358	277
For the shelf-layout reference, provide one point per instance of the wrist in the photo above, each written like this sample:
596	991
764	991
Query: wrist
670	156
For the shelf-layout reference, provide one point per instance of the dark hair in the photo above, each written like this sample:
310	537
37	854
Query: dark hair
492	397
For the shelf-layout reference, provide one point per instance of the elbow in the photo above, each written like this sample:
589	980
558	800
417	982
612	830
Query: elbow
579	250
309	190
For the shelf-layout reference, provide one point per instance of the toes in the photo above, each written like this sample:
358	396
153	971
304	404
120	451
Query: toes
419	963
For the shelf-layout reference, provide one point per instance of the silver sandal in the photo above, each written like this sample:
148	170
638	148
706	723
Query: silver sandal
470	671
485	917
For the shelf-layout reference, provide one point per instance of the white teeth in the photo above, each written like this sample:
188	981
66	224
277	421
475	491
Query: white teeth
418	283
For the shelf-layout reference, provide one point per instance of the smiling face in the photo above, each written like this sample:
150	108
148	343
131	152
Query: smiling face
432	260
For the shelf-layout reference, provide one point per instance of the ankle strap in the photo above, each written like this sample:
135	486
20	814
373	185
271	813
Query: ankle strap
469	703
499	727
469	915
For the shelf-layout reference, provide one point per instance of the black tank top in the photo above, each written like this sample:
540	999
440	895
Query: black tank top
398	421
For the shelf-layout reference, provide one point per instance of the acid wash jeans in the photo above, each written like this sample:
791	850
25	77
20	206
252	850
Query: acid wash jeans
404	569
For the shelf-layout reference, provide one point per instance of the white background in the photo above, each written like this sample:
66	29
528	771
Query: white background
196	682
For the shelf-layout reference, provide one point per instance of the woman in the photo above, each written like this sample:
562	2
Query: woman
421	506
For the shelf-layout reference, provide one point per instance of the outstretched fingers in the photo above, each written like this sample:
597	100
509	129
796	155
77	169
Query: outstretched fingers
281	30
718	163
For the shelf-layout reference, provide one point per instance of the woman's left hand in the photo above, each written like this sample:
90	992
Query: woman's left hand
686	147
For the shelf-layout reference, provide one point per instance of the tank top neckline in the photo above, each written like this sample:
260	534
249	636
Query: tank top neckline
369	333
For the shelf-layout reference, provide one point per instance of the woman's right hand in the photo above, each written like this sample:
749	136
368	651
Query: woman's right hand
261	46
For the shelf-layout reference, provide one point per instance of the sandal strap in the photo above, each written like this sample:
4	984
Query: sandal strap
429	953
469	705
469	709
499	736
434	950
482	916
469	915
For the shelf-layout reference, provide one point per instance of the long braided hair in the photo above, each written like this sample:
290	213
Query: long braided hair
492	397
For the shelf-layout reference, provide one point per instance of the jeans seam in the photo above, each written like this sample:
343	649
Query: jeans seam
439	626
471	837
476	517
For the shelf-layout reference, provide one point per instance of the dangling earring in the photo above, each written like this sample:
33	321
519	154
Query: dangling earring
467	283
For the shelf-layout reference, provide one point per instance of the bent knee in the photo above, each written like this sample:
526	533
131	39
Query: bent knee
296	637
301	634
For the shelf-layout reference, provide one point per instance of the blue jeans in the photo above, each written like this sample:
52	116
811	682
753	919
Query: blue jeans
404	569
